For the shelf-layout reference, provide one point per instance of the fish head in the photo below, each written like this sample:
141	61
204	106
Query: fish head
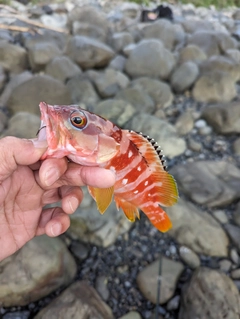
82	136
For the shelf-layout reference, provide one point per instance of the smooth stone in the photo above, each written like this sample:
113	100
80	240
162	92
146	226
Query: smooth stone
101	287
147	279
184	76
234	256
78	301
174	303
234	234
184	123
191	227
221	216
88	30
235	274
3	121
206	41
13	58
120	40
209	294
192	53
189	257
211	183
236	147
43	265
79	250
194	145
236	214
117	63
233	54
225	265
131	315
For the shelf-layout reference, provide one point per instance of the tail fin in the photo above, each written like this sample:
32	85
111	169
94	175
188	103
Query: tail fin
158	217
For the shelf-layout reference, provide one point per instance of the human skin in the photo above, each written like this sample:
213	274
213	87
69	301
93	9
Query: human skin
28	184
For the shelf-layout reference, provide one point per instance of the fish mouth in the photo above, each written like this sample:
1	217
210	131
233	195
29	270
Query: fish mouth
42	132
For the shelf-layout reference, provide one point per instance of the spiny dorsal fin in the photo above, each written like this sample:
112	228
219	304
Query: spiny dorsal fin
156	147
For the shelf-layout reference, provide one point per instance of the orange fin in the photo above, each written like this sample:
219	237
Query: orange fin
130	211
158	217
165	183
102	196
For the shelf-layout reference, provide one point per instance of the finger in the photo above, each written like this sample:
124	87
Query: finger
15	151
53	222
51	170
71	198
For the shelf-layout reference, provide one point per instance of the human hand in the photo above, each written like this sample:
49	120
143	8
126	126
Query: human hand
26	185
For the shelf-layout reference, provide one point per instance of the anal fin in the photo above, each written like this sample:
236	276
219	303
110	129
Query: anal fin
130	211
158	217
102	196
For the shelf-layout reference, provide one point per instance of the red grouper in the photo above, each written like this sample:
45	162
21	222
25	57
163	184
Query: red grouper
88	139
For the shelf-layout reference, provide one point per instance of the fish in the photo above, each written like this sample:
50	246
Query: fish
142	181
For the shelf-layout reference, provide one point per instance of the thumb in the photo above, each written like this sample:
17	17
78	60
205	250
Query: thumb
15	151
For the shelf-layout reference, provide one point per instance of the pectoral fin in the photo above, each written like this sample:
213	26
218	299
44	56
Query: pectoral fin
102	196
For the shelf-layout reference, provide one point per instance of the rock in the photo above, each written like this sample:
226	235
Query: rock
223	117
189	257
192	53
193	26
55	20
128	50
234	234
62	68
235	274
147	279
95	21
120	40
23	125
173	304
191	227
110	82
131	315
159	91
233	54
166	136
3	121
163	30
150	58
211	183
234	256
236	14
215	86
194	145
225	42
13	58
3	77
40	267
137	98
89	226
210	294
207	41
225	265
93	52
184	123
118	63
88	30
101	287
78	301
117	111
82	91
220	216
40	54
27	95
236	214
129	9
184	76
222	63
79	250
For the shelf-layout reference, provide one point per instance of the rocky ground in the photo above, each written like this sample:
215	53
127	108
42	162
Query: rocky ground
178	82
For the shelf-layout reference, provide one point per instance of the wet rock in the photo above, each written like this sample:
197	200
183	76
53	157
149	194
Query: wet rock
191	227
13	58
234	234
120	40
150	58
162	30
214	86
131	315
211	183
27	95
192	53
236	214
147	280
82	91
189	257
184	123
40	54
23	125
223	117
137	98
210	294
159	91
117	111
78	301
40	267
93	52
184	76
167	137
62	68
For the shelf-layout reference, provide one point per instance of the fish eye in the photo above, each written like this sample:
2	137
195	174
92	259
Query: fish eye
78	120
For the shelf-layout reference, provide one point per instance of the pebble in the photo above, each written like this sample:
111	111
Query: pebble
189	257
221	216
235	274
173	304
225	265
234	256
102	288
194	145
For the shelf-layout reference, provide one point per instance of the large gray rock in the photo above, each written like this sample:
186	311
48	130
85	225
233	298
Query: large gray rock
43	265
192	53
147	279
211	183
216	86
78	301
210	294
150	58
120	40
88	52
184	76
224	117
28	95
207	41
191	227
13	58
193	25
164	133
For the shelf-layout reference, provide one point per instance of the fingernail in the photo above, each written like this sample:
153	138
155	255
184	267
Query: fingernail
56	229
51	176
39	143
73	203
